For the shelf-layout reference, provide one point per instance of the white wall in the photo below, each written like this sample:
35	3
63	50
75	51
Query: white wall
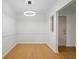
32	29
53	36
70	13
8	28
52	42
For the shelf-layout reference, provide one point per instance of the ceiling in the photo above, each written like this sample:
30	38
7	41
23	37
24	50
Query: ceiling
40	6
70	8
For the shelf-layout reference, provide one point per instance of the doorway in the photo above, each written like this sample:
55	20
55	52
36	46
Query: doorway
62	31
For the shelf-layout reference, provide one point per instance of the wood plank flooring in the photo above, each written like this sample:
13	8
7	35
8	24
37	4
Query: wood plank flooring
39	51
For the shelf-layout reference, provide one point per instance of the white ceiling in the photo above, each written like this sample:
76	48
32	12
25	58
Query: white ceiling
42	6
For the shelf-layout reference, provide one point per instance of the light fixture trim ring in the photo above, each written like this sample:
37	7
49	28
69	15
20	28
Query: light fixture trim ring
29	13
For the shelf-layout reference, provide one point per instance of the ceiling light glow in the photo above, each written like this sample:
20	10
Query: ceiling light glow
29	13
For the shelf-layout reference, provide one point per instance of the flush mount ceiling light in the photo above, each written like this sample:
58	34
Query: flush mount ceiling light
28	12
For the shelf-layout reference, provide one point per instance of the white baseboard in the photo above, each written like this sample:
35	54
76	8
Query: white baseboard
31	42
53	49
8	50
70	45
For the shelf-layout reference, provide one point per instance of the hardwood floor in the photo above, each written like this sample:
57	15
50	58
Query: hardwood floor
39	52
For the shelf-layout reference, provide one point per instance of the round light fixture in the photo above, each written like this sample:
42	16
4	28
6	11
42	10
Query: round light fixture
29	13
